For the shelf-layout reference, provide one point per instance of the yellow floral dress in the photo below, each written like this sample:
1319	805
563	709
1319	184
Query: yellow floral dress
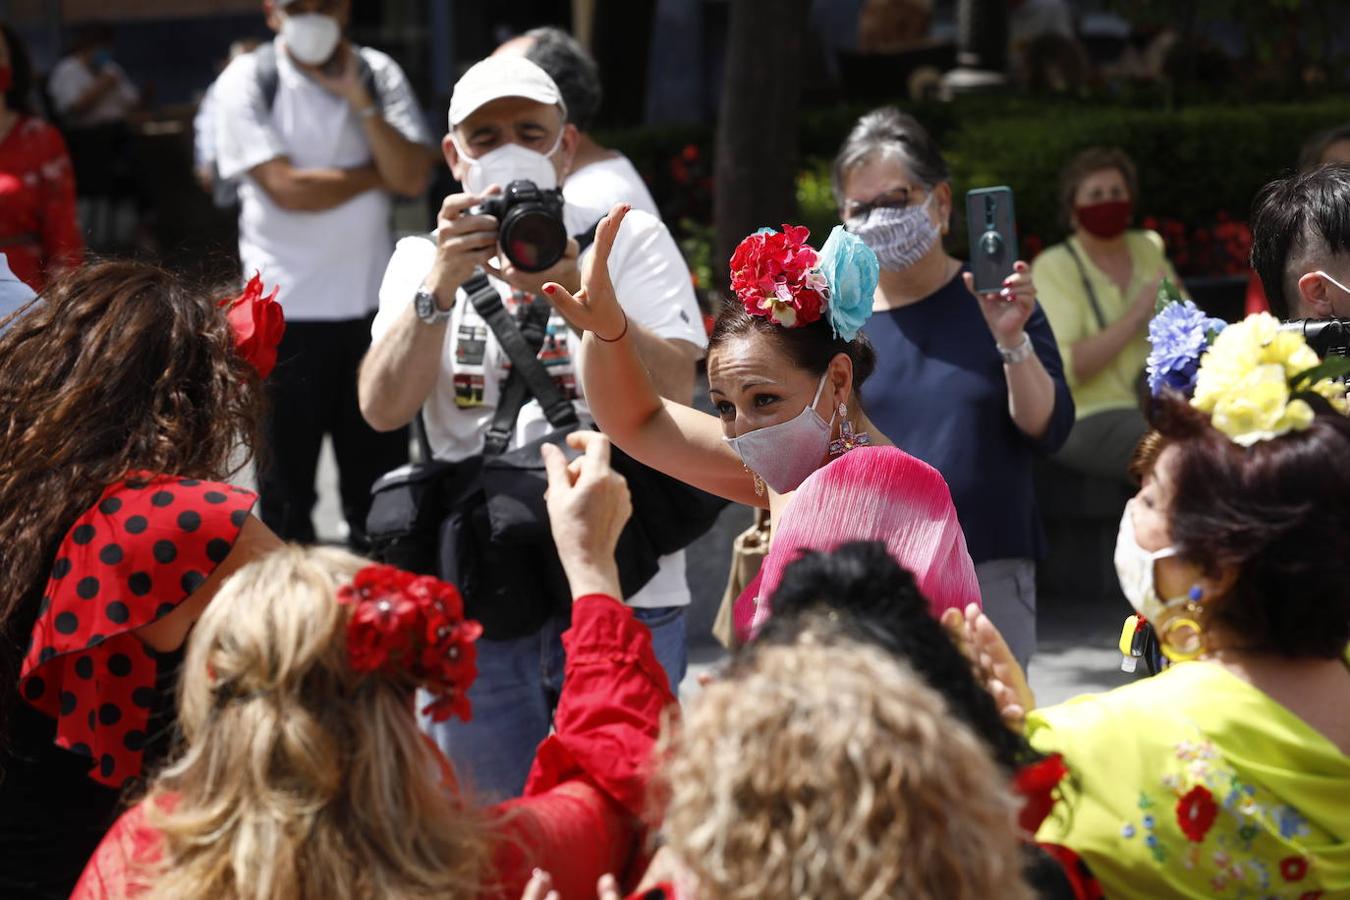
1195	784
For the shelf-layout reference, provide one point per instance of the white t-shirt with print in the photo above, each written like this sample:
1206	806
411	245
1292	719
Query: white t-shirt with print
652	282
328	264
602	184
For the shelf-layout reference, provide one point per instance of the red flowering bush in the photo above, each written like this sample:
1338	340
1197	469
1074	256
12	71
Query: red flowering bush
1223	249
775	276
412	628
1196	811
258	324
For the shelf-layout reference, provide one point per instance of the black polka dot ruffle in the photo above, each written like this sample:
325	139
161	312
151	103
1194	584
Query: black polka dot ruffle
148	543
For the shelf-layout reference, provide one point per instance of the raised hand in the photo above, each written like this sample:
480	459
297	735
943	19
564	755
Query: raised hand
588	506
1006	311
595	307
540	887
994	663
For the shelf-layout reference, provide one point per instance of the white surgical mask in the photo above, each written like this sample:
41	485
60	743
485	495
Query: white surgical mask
507	163
786	453
1134	568
899	237
311	37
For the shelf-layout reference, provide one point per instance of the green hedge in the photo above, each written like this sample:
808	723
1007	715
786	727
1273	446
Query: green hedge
1194	164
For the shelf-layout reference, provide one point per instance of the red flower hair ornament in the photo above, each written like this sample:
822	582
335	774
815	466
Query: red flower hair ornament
778	276
411	628
258	324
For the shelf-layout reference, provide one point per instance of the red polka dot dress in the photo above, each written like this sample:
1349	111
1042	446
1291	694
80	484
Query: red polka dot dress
144	547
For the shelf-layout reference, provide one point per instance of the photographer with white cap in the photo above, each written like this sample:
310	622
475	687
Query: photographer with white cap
435	353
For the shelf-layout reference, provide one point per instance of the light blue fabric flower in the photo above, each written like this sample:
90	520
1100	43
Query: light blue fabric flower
852	270
1178	336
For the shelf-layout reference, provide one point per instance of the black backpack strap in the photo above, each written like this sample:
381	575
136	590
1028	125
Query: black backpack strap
266	72
269	76
1087	286
528	376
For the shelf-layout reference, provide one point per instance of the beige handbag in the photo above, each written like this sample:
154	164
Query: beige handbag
747	552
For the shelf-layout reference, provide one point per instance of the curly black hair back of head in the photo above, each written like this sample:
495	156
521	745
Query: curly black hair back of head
877	600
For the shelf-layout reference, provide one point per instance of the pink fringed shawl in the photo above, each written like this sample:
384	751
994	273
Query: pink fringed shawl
872	494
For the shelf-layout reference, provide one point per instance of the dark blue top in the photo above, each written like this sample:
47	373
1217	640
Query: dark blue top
939	394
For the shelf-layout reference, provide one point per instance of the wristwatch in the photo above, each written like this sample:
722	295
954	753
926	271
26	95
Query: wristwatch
1021	353
424	304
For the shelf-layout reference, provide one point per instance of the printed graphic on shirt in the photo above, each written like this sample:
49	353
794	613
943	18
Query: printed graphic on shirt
468	390
470	344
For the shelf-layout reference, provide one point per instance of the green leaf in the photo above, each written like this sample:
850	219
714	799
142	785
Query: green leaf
1167	294
1329	369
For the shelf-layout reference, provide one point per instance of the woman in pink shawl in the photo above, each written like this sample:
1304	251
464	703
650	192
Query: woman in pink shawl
786	366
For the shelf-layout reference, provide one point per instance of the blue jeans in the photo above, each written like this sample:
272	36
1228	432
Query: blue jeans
518	685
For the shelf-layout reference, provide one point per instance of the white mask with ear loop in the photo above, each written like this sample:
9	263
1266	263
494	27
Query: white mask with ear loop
507	163
1344	289
311	37
1134	568
784	455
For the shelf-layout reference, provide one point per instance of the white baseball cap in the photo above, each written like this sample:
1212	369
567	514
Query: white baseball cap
501	76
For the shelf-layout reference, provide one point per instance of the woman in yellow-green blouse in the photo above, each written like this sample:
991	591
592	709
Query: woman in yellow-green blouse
1098	289
1227	775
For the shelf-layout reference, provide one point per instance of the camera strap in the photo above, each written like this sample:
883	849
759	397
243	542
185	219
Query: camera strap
528	377
1087	286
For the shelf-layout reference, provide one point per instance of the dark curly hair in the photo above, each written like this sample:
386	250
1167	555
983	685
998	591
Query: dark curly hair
876	600
809	347
118	367
1278	515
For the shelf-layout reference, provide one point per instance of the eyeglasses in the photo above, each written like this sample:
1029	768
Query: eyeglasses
856	214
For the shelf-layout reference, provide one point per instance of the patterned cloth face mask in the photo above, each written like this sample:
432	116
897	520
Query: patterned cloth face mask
900	237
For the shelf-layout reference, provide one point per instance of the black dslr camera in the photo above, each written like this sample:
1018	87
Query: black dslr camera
530	230
1328	337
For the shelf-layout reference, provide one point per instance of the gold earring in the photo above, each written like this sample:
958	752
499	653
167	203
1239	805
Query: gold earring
1182	636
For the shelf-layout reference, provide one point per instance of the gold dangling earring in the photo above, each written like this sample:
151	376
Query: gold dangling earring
1182	636
759	482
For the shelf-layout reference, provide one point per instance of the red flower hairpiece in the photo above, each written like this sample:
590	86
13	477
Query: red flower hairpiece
258	324
776	276
413	625
1036	784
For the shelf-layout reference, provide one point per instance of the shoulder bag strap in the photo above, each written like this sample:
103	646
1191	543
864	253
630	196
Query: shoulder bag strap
528	376
1087	286
266	72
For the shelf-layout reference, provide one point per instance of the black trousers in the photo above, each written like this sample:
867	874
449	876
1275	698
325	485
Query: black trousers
313	393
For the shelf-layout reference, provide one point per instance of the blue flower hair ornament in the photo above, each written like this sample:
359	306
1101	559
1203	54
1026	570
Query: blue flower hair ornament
852	270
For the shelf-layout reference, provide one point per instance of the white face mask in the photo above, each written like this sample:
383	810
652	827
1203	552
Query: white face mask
786	453
507	163
1134	568
899	237
311	37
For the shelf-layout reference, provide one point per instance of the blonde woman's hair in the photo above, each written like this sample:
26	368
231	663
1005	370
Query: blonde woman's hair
827	770
301	778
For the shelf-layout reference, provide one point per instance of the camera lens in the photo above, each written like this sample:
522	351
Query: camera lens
533	238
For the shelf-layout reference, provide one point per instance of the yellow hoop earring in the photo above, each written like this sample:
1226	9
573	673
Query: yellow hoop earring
1182	637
